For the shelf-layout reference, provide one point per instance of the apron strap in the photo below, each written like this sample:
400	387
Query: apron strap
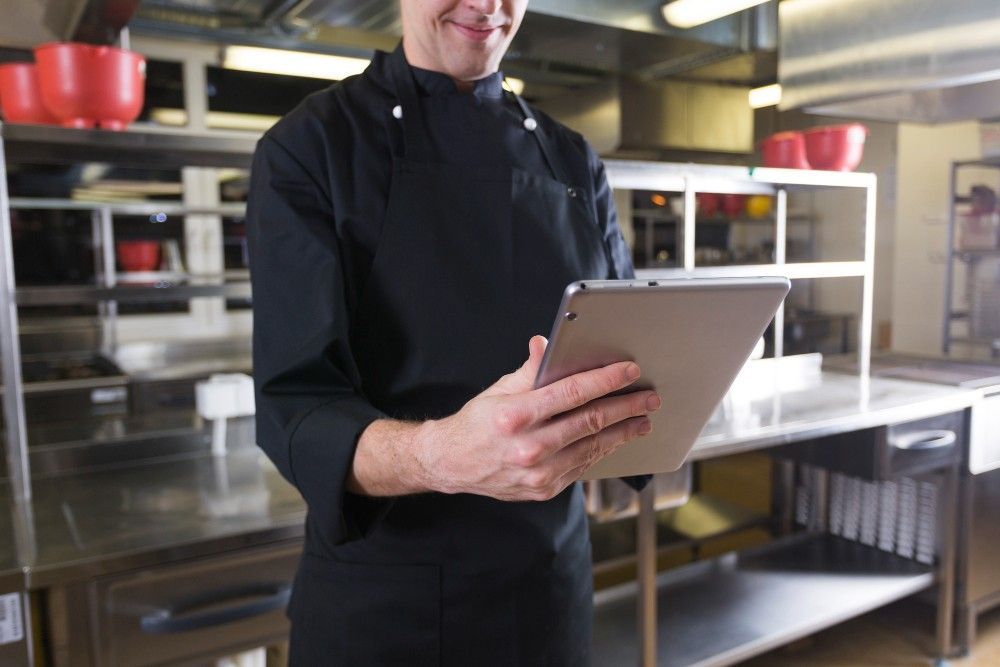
415	145
543	143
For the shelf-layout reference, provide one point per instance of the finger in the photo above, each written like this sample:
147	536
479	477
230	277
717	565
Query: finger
582	388
588	451
593	418
523	379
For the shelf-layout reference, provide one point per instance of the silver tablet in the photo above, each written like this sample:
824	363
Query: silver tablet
690	337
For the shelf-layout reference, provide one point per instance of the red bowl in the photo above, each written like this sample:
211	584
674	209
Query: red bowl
786	150
86	85
709	203
732	205
20	98
836	147
138	255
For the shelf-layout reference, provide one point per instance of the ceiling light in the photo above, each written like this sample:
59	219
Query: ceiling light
765	96
689	13
293	63
515	86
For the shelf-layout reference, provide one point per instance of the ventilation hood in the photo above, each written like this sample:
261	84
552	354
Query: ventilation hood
915	60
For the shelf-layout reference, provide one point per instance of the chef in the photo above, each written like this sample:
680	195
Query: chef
411	233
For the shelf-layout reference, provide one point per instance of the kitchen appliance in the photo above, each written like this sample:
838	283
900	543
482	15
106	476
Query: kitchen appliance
785	150
978	568
835	147
20	97
86	85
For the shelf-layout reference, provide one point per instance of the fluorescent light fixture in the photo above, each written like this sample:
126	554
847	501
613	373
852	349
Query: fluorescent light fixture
689	13
765	96
514	85
294	63
220	120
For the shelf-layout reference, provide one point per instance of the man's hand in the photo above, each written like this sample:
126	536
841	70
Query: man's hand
513	442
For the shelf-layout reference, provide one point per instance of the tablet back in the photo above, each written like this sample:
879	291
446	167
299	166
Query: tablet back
690	337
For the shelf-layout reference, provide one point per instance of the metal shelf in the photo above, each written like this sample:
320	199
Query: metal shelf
75	294
126	208
754	601
48	144
794	271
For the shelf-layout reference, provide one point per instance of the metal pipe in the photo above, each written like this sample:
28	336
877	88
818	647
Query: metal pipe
868	284
18	466
780	246
646	559
690	210
110	279
949	265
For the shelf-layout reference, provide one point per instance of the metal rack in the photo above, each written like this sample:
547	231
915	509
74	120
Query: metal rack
976	293
55	145
690	179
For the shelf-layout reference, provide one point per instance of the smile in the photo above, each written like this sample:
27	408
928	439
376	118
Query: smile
475	34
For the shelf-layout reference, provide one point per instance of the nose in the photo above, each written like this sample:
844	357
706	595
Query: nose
486	7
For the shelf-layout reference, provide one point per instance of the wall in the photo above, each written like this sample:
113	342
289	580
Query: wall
925	154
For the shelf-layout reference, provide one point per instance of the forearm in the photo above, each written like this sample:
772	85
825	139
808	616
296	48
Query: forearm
386	461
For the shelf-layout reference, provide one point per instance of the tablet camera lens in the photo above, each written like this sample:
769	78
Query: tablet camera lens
570	316
653	283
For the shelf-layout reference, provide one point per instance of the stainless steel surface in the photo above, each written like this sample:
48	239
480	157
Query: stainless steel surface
16	442
835	403
626	114
125	208
917	60
93	524
76	294
195	610
91	21
47	144
646	577
722	611
160	360
984	436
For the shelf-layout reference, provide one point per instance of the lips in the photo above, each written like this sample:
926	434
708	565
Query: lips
474	33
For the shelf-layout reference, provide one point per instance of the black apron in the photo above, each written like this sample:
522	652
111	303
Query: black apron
471	263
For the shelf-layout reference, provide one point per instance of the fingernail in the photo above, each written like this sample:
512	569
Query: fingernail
653	403
632	371
645	427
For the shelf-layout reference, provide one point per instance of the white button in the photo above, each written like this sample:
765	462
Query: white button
530	124
397	111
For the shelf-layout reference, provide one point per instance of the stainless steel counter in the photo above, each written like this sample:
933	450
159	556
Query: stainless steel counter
831	403
87	524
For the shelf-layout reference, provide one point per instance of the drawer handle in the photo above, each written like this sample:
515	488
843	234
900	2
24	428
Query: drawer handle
188	617
923	440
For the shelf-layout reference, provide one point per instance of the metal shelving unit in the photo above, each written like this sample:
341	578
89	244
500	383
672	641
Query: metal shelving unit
29	144
972	259
690	179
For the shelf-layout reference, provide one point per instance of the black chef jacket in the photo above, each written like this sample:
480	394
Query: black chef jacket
320	185
319	188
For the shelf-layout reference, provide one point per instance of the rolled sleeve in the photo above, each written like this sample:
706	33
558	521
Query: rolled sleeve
310	406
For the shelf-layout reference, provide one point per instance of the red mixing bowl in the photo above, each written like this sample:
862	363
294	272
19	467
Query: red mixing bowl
786	150
138	255
20	98
836	147
86	85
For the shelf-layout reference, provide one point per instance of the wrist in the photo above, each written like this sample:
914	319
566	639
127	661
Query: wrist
425	445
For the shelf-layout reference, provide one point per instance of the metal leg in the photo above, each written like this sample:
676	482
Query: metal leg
646	558
946	566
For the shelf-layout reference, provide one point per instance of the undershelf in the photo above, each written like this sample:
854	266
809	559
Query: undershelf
721	611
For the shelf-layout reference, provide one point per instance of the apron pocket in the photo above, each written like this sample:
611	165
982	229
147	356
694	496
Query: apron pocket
363	614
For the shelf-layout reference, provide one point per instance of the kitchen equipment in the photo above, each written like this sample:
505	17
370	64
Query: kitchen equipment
758	206
786	150
221	397
138	255
836	147
732	205
86	85
708	203
20	97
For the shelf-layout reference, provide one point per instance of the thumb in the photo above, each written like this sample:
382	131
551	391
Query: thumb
523	379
